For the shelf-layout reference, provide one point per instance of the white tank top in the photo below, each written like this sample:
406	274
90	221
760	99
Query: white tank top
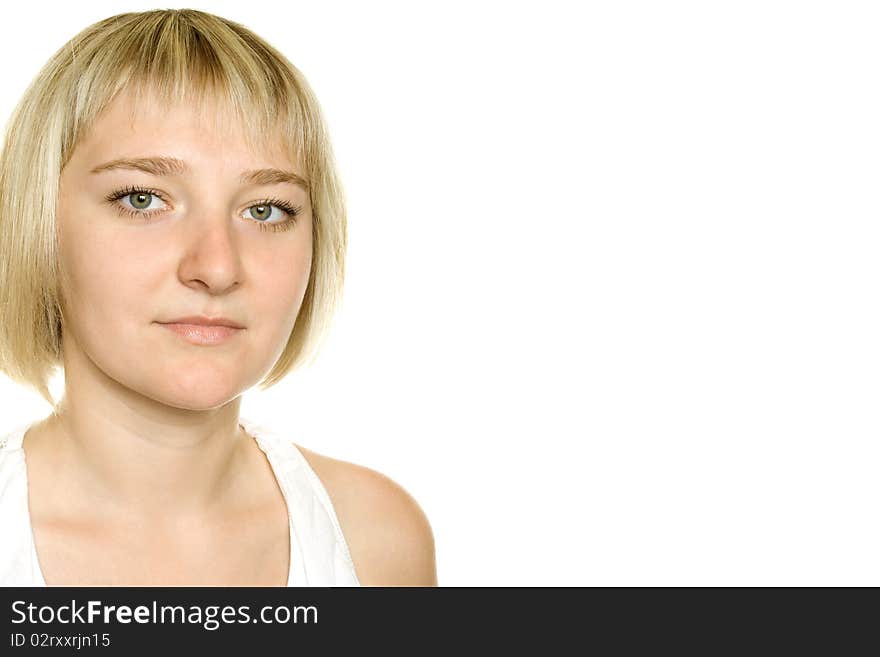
319	554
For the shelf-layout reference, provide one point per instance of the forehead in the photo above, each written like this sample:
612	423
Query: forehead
210	134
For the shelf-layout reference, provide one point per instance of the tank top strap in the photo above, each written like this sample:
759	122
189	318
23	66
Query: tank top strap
18	562
324	555
14	437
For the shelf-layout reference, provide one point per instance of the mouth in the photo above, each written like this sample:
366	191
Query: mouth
204	320
200	334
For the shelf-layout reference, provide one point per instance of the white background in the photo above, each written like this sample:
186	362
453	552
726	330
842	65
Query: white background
612	307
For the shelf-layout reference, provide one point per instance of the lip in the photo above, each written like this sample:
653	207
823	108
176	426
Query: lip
200	334
200	320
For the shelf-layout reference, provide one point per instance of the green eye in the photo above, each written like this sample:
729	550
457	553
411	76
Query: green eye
140	200
260	212
265	211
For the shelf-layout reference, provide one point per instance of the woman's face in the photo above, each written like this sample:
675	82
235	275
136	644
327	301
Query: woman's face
194	245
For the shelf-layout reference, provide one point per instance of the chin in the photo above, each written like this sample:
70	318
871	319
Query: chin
198	403
194	393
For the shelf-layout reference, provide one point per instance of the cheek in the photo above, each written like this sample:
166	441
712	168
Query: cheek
280	298
106	278
297	280
279	294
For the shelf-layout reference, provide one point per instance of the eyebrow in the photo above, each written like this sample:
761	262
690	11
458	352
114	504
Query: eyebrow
172	166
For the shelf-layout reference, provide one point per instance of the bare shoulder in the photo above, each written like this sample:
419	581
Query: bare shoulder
388	533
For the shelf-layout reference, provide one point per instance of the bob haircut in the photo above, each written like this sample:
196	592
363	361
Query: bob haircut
175	55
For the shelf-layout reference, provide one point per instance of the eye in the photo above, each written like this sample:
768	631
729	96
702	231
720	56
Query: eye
261	212
140	200
268	213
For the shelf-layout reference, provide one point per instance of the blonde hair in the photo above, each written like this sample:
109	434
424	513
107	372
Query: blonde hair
176	54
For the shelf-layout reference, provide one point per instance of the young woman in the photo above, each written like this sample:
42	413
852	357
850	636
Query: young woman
172	232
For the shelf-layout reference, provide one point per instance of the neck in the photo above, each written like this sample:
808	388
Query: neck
177	466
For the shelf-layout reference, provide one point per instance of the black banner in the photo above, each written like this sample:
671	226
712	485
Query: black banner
410	620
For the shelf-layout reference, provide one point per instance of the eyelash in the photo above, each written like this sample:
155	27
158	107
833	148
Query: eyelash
293	211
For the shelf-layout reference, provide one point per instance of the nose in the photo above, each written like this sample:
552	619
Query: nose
212	259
